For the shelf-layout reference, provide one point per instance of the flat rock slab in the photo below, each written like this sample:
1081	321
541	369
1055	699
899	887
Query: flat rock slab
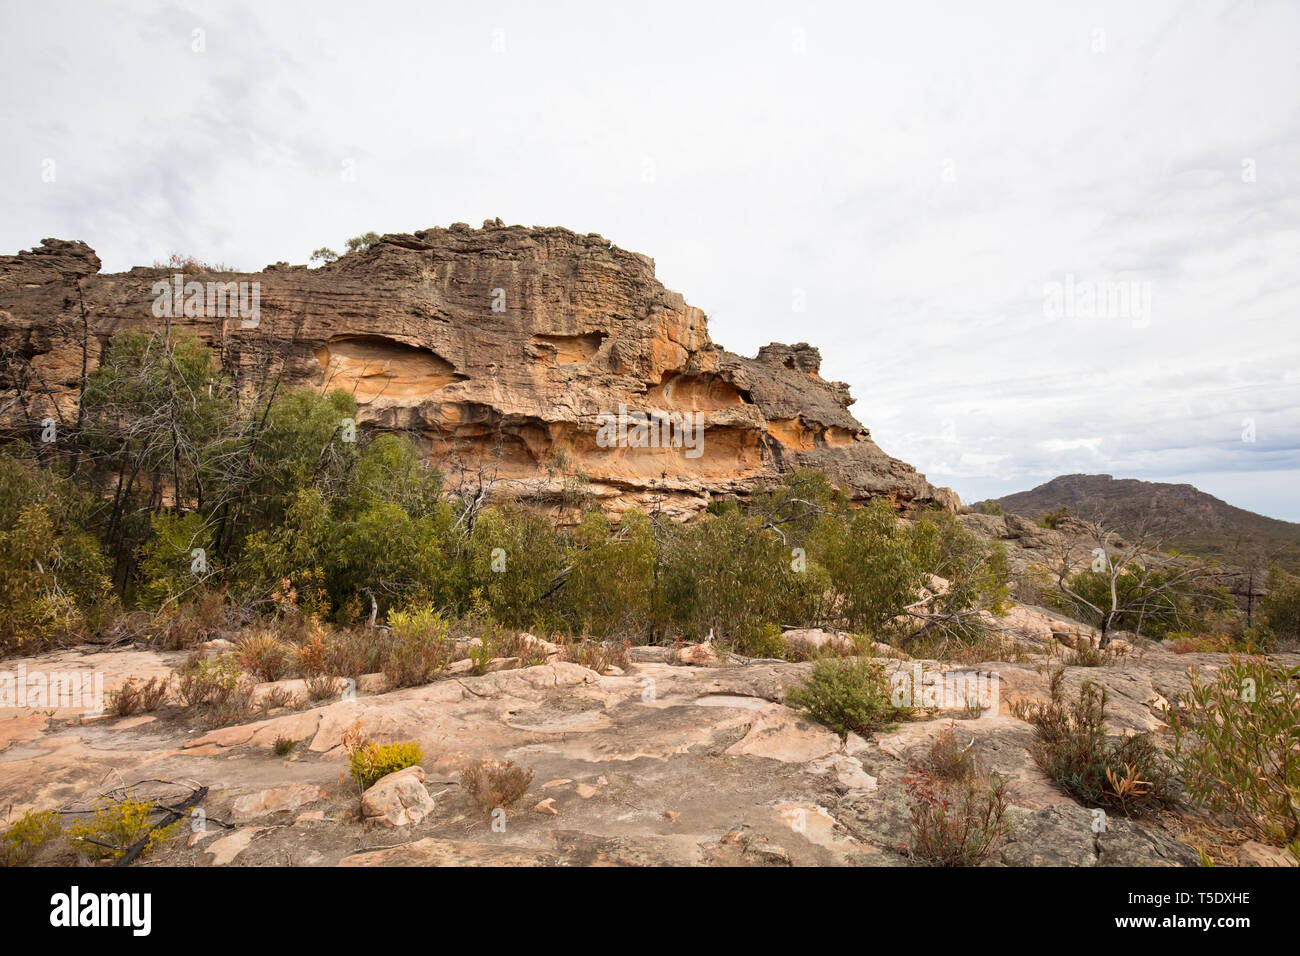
228	848
434	852
661	765
779	733
265	802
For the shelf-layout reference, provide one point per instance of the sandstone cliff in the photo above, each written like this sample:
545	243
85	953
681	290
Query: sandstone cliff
501	346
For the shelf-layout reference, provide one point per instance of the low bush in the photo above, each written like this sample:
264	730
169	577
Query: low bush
495	785
849	695
322	687
522	645
598	656
949	758
368	762
764	641
115	827
309	655
278	697
154	692
418	646
1129	775
126	699
265	656
955	822
208	680
353	651
1087	654
230	707
31	832
134	696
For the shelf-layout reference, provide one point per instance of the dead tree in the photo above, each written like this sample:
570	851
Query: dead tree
1137	578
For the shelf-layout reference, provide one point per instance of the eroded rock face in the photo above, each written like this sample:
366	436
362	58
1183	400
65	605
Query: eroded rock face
503	345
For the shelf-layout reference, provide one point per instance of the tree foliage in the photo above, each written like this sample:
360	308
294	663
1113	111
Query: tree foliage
192	476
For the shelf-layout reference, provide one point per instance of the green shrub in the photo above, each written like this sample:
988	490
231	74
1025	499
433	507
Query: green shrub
610	588
1052	519
1237	744
418	647
115	827
369	762
874	563
363	242
52	570
979	581
31	832
1149	604
764	641
1280	608
209	680
167	562
848	695
1127	774
728	575
526	549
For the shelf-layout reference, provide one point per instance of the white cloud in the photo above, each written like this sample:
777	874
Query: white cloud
921	171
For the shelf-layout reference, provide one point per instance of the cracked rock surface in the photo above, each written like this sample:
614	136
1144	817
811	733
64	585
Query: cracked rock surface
663	764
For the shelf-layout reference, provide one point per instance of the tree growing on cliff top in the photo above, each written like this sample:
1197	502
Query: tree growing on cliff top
363	242
356	244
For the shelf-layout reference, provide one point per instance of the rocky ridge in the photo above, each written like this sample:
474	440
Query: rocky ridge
498	347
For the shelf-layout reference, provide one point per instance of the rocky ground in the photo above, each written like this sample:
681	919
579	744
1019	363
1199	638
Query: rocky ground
663	763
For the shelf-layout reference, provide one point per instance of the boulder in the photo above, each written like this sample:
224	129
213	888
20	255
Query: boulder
397	800
697	654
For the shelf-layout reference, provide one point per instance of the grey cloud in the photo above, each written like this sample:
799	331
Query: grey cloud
774	171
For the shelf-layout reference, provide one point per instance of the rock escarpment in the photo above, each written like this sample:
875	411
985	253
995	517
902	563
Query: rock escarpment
499	347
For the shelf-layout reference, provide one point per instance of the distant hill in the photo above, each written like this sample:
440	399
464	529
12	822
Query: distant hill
1193	521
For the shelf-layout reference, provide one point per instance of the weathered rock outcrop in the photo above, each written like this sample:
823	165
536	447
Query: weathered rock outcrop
711	768
503	346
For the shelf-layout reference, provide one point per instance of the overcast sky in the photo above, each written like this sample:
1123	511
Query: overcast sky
939	190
